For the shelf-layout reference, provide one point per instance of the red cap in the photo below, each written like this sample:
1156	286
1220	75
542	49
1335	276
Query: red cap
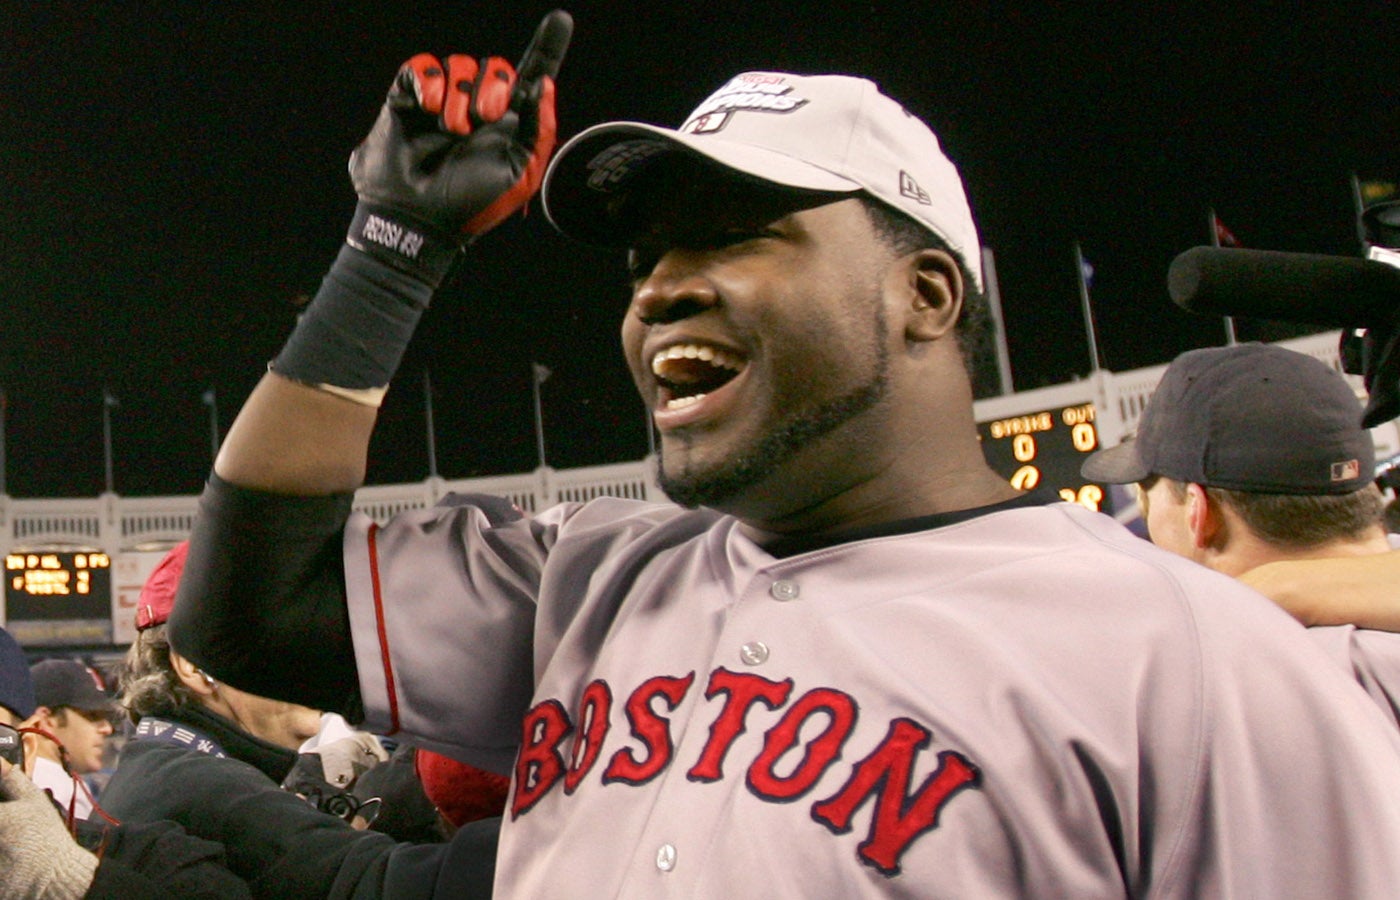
462	793
158	593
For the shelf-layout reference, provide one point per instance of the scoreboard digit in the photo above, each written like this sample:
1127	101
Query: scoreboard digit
1044	448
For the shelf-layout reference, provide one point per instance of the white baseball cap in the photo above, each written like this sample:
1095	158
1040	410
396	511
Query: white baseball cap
814	132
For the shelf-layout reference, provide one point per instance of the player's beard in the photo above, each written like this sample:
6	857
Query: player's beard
713	486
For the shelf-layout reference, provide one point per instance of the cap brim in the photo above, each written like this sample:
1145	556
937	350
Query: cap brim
576	196
1115	465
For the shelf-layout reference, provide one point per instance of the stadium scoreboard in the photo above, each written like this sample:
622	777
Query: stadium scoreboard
58	597
1044	448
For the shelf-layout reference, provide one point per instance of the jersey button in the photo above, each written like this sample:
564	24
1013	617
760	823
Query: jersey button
784	590
666	858
754	653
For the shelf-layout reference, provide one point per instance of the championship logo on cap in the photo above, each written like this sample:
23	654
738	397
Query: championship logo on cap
826	133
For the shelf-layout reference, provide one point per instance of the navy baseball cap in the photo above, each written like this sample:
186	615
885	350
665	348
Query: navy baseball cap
1252	417
67	682
16	685
811	132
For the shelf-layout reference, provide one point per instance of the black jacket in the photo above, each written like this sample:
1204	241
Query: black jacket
154	860
277	842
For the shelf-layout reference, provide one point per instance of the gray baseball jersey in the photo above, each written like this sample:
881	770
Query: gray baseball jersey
1372	657
1031	703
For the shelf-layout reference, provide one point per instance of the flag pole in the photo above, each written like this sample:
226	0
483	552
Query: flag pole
109	402
1360	204
428	423
1085	306
4	414
211	400
1214	228
538	374
989	274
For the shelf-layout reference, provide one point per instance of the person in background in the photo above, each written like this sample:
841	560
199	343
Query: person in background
189	727
40	857
201	747
74	717
1254	455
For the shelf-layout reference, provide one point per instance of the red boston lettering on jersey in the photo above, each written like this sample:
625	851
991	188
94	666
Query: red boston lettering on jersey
838	708
652	729
539	763
798	750
898	818
594	707
741	691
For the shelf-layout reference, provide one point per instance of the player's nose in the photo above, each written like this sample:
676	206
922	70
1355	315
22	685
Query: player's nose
676	288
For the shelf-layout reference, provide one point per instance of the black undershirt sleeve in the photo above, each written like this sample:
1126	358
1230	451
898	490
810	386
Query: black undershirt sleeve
261	603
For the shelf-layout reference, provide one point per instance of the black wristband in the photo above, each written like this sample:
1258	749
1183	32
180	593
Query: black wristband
408	245
356	330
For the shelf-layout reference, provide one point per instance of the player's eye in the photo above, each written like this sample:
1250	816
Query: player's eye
640	263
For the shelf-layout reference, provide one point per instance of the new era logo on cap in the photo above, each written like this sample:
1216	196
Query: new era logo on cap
908	187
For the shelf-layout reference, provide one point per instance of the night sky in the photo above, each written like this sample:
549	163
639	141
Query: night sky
172	184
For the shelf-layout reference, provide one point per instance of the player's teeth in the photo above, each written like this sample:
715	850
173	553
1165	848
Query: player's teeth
714	357
683	402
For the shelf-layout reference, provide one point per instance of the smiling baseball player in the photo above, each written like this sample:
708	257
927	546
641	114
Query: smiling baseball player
850	661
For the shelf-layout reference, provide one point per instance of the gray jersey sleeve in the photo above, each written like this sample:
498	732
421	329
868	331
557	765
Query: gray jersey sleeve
444	613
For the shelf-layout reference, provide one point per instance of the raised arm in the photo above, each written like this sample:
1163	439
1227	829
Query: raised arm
458	146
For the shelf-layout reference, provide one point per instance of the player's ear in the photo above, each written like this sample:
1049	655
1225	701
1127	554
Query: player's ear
1203	518
190	675
933	285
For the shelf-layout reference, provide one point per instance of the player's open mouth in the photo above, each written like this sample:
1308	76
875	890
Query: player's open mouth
685	373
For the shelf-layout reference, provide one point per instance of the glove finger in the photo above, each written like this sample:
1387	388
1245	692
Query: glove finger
423	78
493	90
545	54
462	73
539	65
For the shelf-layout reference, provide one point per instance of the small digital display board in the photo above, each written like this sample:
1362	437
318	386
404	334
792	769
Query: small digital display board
1045	448
58	597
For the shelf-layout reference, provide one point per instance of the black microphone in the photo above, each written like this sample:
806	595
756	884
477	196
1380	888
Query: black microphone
1311	288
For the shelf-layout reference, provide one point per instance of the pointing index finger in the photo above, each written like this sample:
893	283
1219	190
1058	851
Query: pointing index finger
545	54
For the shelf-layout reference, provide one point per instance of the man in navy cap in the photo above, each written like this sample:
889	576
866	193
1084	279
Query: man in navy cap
74	713
40	857
1253	456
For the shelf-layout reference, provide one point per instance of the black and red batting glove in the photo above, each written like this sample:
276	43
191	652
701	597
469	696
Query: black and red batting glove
459	145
